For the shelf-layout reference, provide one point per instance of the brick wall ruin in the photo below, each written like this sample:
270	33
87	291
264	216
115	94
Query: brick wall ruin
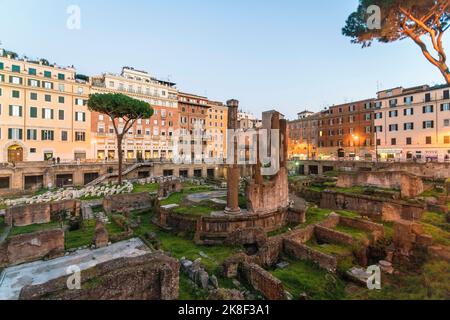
39	213
409	184
153	276
261	280
376	208
31	247
127	202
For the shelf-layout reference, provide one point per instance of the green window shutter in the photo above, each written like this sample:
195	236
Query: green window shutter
43	113
10	110
20	134
42	135
20	111
84	117
28	134
61	114
61	76
51	114
1	66
47	74
9	133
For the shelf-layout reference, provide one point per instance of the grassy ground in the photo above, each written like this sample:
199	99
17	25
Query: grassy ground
201	209
315	215
185	246
81	237
329	248
436	219
2	224
305	277
85	235
357	234
188	291
151	187
430	282
33	228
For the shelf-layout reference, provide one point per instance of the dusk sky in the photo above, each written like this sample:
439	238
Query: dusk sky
285	55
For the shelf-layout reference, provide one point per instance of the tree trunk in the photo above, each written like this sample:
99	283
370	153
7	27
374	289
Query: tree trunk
120	155
445	71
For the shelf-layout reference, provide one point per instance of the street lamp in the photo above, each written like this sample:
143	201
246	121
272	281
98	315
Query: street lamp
355	140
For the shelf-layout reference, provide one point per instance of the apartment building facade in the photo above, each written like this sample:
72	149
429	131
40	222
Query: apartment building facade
149	138
303	136
413	123
346	131
43	112
193	110
216	128
248	120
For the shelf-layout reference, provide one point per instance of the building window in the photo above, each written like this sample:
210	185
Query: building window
428	140
1	65
48	98
393	103
15	80
409	141
31	134
33	96
428	124
427	97
393	114
80	116
32	71
15	111
61	76
33	83
15	134
47	135
61	99
379	115
408	100
61	114
79	102
408	126
16	94
446	94
447	139
47	74
445	107
47	85
393	127
446	122
33	112
393	141
15	68
378	129
63	135
408	112
428	109
47	113
80	136
378	142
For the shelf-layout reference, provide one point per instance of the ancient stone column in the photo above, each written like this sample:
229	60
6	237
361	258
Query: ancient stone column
233	175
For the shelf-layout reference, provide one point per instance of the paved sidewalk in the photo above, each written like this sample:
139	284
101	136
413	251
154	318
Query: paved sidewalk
13	279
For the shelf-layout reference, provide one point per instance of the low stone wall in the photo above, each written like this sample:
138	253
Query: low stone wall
376	229
409	184
247	236
127	202
153	276
269	254
39	213
331	236
376	208
269	286
31	247
166	188
221	226
299	251
166	218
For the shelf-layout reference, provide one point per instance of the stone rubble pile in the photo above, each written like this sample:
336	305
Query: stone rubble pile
68	194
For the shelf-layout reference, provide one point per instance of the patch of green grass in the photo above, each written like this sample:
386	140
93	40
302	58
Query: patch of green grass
435	193
348	214
439	236
357	234
431	282
437	220
113	228
330	248
151	187
189	291
33	228
81	237
196	211
185	247
306	277
282	230
315	215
